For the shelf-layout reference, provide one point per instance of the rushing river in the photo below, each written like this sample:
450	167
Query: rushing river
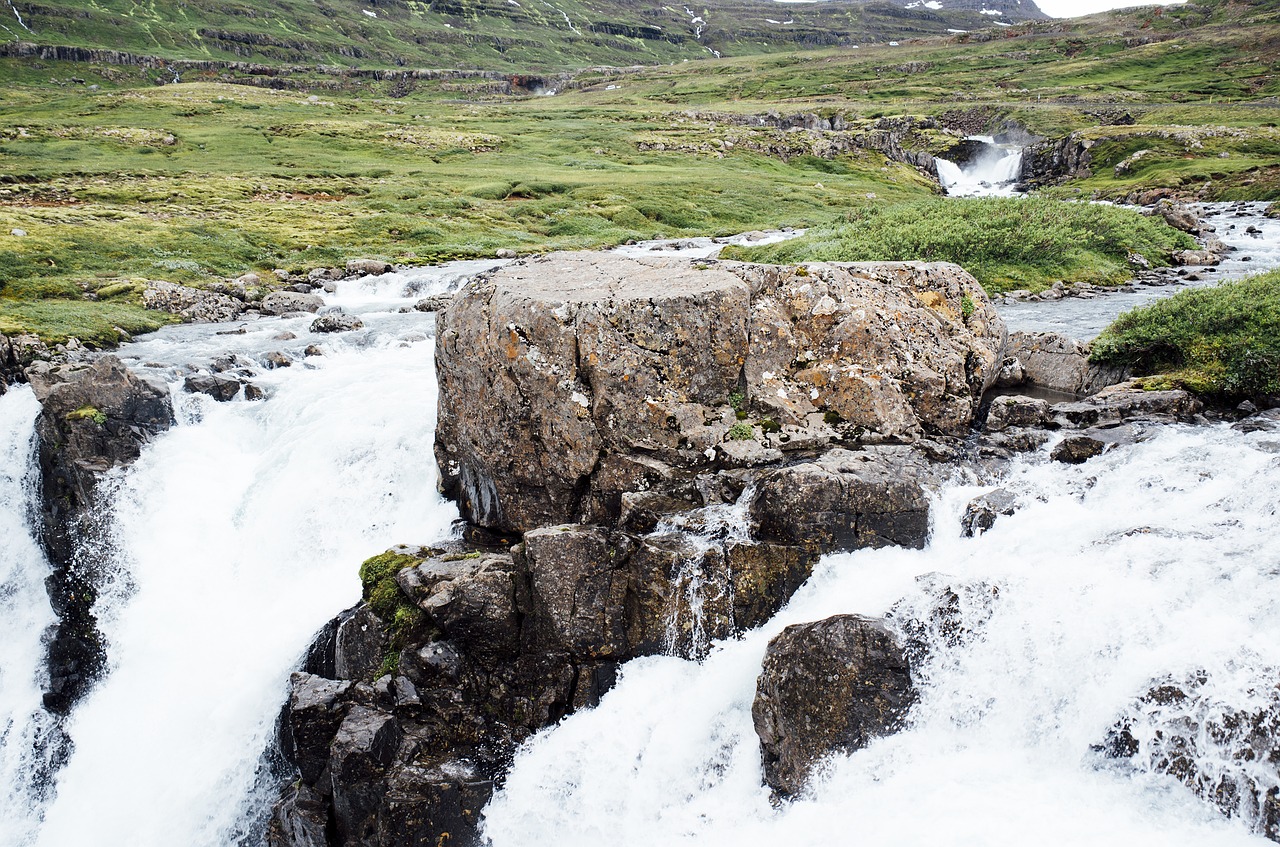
238	534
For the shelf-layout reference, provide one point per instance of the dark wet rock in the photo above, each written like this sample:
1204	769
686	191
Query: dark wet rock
470	597
846	500
336	323
1217	740
253	392
92	419
1127	401
360	645
578	589
285	302
829	686
1265	421
363	747
316	710
981	513
192	304
1077	449
300	819
221	388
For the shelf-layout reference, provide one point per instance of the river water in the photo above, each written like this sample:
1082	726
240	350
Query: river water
238	534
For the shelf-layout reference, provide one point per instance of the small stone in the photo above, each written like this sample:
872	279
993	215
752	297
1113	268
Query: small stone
1077	449
18	232
336	323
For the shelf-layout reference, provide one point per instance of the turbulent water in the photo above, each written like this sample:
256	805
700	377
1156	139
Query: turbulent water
238	532
1161	558
994	172
24	615
237	535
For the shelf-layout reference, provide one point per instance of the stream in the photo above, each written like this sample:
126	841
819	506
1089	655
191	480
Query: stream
238	534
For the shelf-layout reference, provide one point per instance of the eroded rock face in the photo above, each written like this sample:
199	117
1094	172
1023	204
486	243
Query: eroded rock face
568	380
828	686
92	418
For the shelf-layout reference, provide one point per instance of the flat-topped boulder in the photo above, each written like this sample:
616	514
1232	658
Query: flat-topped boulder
569	379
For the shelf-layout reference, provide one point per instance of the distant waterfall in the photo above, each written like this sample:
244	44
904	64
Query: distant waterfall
992	171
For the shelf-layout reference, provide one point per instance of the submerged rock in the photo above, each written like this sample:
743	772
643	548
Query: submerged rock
1215	736
825	687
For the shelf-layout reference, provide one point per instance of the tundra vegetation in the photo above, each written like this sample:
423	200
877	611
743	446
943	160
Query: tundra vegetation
109	179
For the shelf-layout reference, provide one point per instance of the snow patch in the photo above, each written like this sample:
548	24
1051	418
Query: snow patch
368	13
990	12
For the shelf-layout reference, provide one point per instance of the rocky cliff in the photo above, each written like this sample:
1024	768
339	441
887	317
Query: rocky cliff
650	455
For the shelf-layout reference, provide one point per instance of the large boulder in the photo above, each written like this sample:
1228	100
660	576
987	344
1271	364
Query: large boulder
286	302
559	373
829	686
845	500
1053	362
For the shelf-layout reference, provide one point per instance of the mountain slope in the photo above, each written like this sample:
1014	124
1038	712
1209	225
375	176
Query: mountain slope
490	34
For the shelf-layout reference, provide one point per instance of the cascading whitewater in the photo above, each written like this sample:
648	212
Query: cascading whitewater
234	537
29	745
993	172
1152	560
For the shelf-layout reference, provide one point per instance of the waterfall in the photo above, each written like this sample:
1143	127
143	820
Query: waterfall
992	171
234	538
1151	560
28	743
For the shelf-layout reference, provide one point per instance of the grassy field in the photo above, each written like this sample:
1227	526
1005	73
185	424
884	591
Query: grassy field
1005	242
115	180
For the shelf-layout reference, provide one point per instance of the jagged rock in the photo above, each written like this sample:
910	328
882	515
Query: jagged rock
847	500
471	598
92	418
336	323
1217	740
578	589
221	388
18	353
1077	449
285	302
362	749
824	687
191	304
1017	411
581	356
367	267
361	644
1127	401
981	513
1055	362
433	805
299	819
316	710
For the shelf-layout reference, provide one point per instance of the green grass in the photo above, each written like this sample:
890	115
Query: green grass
1006	243
1221	342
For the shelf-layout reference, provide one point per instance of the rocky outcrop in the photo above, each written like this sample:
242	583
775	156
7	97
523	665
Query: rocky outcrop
1056	160
1219	740
92	419
1050	361
825	687
191	304
461	653
569	380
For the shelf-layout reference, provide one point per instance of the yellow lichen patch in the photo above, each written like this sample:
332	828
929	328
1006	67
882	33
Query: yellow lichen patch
934	300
